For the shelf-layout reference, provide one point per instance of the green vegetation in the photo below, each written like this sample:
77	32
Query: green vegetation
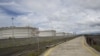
97	47
44	44
32	49
93	41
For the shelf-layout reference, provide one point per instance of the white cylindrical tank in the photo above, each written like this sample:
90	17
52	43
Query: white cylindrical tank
60	34
47	33
18	32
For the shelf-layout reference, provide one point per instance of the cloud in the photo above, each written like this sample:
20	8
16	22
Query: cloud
13	9
1	1
5	20
62	15
88	4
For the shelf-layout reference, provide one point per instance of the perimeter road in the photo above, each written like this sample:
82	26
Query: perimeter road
75	47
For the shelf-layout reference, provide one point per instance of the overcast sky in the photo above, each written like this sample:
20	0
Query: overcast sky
80	16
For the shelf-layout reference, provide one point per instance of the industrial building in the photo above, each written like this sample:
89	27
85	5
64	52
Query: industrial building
18	32
60	34
63	34
69	34
47	33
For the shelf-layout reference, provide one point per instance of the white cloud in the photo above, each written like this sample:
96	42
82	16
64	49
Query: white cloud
61	15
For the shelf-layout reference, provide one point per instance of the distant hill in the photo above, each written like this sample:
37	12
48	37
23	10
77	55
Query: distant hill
97	33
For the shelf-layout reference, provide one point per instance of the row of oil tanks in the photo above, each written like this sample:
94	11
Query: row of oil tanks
24	32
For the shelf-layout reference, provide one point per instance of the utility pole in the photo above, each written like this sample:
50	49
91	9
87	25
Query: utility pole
12	27
13	41
52	28
52	31
28	32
